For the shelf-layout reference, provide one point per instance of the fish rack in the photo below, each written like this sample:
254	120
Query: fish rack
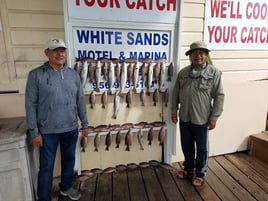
124	129
131	74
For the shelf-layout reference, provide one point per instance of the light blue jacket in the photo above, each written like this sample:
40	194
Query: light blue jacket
54	100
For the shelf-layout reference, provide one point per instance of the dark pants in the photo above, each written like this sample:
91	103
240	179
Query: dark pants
194	143
67	143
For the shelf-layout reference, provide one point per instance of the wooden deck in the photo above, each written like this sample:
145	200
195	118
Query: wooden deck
229	178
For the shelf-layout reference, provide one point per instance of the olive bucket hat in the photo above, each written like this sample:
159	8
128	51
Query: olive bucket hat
198	45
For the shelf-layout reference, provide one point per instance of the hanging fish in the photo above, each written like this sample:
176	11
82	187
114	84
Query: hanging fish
83	143
130	73
116	104
91	72
77	67
156	73
123	77
129	98
161	135
92	99
98	76
165	97
111	75
155	96
84	72
150	77
162	75
170	71
96	142
128	140
104	99
142	97
135	76
104	70
108	140
140	136
117	71
150	136
143	71
118	138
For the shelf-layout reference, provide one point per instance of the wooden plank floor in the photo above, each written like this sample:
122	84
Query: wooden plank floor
230	177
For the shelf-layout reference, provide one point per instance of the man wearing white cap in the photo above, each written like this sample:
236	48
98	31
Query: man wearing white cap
198	95
54	100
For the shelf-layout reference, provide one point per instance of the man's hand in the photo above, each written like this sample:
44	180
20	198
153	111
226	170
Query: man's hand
174	118
85	132
38	141
211	124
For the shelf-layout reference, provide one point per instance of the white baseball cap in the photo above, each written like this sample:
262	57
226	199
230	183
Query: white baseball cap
54	43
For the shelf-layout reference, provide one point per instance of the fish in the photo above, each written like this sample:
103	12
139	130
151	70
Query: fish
123	77
98	76
127	126
144	164
108	140
104	99
87	172
111	75
161	135
109	170
83	143
97	171
129	98
162	75
84	72
142	97
104	70
135	76
140	136
156	72
155	96
117	71
92	99
91	72
118	138
116	104
143	71
170	71
114	127
150	135
154	163
130	73
165	97
128	140
121	167
97	142
150	77
77	67
132	166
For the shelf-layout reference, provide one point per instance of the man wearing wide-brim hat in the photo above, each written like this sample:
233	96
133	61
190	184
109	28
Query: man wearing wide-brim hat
198	95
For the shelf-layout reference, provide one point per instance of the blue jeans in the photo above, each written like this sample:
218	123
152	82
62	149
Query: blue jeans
194	143
67	143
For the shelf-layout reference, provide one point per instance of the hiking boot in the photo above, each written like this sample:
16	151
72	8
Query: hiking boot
71	193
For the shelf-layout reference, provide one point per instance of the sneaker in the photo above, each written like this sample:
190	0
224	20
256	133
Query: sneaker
71	193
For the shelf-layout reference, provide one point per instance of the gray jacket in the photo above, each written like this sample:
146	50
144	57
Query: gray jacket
54	100
198	96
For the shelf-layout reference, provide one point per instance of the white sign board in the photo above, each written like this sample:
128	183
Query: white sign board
236	24
120	43
164	11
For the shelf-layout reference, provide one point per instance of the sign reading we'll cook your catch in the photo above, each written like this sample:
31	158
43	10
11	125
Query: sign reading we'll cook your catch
236	24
